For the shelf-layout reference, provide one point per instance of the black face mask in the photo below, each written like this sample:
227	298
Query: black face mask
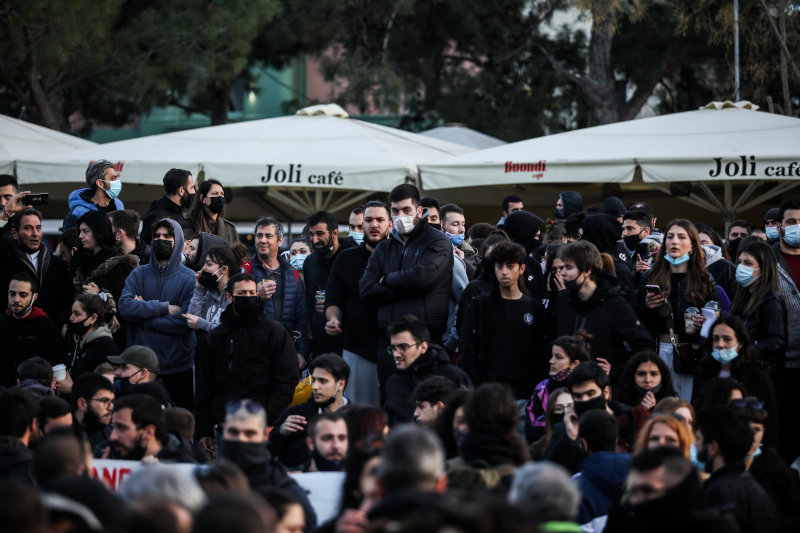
436	226
246	455
217	204
573	285
560	214
631	242
162	249
122	386
557	417
326	465
598	402
186	200
642	391
78	328
207	280
246	307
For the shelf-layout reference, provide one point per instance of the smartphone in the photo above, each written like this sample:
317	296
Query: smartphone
37	198
653	288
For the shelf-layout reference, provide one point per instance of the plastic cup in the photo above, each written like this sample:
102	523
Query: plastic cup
60	371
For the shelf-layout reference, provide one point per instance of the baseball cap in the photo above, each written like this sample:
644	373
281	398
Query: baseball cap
137	355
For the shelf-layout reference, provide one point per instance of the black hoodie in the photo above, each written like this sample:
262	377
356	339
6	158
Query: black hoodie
522	227
573	202
604	231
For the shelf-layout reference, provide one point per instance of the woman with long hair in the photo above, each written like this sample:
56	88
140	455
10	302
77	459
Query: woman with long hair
559	403
568	351
645	381
733	355
208	213
678	280
758	302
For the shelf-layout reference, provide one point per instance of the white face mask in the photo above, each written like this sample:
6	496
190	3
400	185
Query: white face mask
404	224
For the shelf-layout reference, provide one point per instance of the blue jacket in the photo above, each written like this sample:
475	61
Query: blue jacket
294	304
79	205
150	323
601	476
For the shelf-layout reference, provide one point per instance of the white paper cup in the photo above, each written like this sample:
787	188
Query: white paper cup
60	371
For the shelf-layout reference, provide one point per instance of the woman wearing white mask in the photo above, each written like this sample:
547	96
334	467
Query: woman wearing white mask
758	302
734	355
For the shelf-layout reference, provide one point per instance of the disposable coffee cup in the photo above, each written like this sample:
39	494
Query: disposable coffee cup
60	371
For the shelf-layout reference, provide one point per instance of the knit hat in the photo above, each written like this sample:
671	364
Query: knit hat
773	214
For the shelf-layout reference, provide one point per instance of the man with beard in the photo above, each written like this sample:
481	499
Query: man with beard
26	330
352	317
92	400
155	297
26	252
140	431
125	225
410	272
247	355
663	494
723	441
324	233
244	443
327	442
287	442
179	192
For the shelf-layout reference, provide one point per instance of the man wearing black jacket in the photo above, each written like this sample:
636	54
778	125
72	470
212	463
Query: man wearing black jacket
410	272
246	356
179	194
317	267
350	316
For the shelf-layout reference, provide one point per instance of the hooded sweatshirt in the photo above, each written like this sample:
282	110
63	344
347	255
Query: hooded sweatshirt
604	231
150	323
573	203
522	227
80	203
206	242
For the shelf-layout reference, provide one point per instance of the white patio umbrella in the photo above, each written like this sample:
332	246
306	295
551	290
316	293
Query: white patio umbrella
460	134
720	143
22	140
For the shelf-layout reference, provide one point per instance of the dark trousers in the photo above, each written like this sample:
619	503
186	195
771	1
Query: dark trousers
181	388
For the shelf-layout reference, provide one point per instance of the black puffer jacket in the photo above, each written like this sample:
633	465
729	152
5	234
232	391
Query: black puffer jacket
767	327
413	276
607	316
400	387
244	359
165	208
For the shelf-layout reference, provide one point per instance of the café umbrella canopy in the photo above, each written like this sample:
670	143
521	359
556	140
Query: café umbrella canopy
20	140
320	147
723	143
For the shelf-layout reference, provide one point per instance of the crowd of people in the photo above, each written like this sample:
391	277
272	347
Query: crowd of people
592	371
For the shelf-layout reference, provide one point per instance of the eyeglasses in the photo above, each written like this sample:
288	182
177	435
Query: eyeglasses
249	405
105	401
752	403
400	347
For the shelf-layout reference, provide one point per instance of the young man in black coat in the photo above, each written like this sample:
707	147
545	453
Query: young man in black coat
410	272
416	359
246	356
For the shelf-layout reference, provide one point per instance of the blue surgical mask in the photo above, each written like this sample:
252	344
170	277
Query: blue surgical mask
114	188
772	233
744	275
725	356
297	261
791	235
357	236
698	464
457	239
679	261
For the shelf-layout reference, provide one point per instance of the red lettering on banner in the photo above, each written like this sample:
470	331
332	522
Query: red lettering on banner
117	166
537	169
112	477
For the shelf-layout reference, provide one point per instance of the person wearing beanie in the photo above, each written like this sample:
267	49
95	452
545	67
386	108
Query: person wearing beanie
772	224
524	228
101	195
613	206
604	231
